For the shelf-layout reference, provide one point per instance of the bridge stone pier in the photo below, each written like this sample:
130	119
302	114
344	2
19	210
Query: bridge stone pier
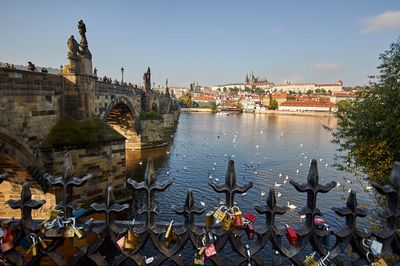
45	117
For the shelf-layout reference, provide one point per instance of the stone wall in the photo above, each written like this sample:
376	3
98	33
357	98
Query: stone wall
30	103
12	186
152	133
105	161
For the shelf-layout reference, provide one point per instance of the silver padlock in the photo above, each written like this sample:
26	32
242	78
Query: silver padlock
374	247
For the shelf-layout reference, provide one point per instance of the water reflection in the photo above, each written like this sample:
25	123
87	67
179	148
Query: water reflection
267	149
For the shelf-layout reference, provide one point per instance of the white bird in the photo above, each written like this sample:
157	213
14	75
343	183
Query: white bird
287	177
167	172
256	173
338	184
284	181
233	155
297	171
368	188
277	184
349	190
213	169
244	194
348	181
210	176
301	164
279	194
326	165
320	159
215	163
305	157
257	146
234	140
303	216
262	193
280	175
202	203
291	206
216	179
301	145
184	168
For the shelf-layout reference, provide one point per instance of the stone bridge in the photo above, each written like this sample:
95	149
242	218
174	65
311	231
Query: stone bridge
43	115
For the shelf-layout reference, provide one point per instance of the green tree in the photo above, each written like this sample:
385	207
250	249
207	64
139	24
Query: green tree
187	99
273	104
368	131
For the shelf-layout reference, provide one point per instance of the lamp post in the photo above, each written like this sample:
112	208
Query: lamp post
122	72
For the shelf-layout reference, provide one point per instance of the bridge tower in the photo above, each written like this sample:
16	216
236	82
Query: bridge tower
78	102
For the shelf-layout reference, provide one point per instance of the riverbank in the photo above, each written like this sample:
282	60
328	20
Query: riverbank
268	112
319	114
199	110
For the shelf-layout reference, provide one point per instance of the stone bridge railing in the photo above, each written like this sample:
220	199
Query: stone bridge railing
109	241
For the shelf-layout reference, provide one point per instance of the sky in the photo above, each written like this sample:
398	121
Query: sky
210	42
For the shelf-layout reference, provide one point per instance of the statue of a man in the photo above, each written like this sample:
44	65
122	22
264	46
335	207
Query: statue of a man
73	47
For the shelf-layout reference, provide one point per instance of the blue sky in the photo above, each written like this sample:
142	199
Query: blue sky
210	42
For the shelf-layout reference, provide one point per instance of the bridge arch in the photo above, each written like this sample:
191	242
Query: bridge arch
123	117
16	149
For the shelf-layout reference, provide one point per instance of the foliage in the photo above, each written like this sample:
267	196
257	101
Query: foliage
214	107
273	104
186	100
149	116
368	131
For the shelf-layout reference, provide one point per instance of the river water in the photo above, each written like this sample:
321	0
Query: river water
266	149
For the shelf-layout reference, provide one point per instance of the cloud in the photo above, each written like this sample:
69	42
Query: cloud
327	67
389	20
276	30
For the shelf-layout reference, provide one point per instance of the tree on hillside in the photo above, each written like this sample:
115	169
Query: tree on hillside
368	131
187	99
273	104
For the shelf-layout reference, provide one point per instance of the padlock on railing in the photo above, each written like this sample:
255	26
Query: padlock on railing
251	218
380	262
33	248
7	241
170	236
250	231
209	219
374	246
220	214
291	235
228	220
237	217
56	213
199	258
310	260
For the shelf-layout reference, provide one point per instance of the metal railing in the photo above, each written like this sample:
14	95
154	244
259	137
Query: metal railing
119	242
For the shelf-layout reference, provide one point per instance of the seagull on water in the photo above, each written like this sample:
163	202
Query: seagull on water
202	203
262	193
216	179
291	206
287	177
277	184
297	171
279	194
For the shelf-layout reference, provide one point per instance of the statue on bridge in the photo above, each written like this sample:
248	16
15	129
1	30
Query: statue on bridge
83	45
73	48
146	80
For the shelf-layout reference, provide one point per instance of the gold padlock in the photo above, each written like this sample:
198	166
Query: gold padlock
200	251
209	219
220	213
380	262
77	231
128	244
168	233
42	243
227	222
55	213
68	231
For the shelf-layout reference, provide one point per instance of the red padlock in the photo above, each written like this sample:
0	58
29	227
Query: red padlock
250	217
250	231
291	235
210	251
